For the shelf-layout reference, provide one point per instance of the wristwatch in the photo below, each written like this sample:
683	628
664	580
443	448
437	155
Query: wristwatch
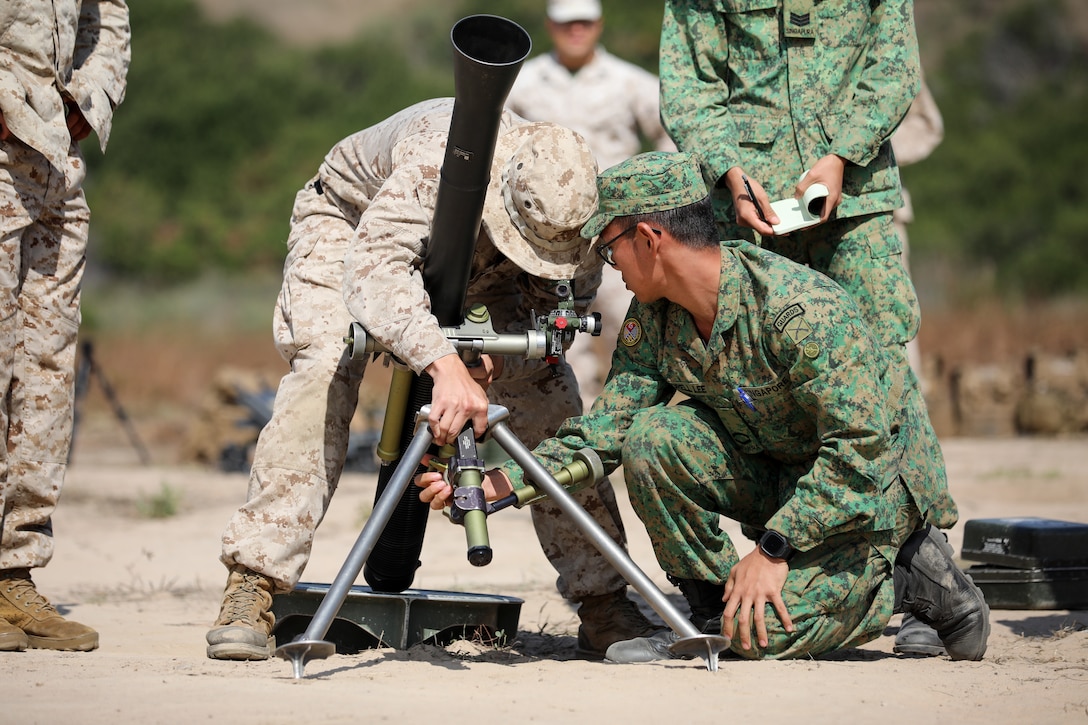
775	545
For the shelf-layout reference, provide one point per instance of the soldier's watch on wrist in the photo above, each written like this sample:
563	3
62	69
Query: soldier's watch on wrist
775	545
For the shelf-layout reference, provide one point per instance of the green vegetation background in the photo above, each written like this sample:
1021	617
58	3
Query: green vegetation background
224	122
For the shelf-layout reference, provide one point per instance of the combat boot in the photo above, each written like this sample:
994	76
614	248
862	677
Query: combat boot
915	637
609	618
243	630
929	585
22	606
12	639
705	601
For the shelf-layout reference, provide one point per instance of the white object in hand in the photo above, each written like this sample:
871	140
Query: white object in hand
794	214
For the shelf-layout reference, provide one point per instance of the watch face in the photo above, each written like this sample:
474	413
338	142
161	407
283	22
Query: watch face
775	545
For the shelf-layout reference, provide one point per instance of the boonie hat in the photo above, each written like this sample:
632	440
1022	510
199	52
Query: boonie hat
566	11
542	190
645	183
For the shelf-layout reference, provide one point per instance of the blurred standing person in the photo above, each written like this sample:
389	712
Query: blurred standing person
917	136
63	74
613	104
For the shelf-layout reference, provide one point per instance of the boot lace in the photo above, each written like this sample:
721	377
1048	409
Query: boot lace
243	601
22	590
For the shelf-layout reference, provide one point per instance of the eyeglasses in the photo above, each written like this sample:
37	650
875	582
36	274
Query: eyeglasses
605	250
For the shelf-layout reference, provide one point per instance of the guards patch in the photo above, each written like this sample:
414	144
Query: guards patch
631	332
792	322
786	315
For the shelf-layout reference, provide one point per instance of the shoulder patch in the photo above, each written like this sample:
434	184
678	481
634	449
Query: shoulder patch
631	332
792	322
786	315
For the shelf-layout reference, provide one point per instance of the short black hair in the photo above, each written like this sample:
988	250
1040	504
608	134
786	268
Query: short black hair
692	225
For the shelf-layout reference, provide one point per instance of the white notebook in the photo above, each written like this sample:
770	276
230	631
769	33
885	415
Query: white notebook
794	214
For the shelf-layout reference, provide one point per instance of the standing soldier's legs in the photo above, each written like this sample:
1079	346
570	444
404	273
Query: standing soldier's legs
914	353
300	453
537	408
45	231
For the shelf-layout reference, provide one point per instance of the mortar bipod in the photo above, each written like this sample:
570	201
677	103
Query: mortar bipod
311	645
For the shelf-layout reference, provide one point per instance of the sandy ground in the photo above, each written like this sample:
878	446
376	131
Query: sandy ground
152	587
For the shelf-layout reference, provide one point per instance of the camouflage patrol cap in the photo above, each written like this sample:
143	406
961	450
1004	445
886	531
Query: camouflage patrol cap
542	190
649	182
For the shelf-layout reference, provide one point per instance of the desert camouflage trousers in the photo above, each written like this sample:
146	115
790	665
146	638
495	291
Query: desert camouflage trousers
683	473
43	241
300	453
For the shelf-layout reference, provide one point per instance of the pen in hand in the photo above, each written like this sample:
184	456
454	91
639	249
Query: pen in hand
752	196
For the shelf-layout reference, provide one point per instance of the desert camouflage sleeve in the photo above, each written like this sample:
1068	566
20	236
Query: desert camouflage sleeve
383	282
101	62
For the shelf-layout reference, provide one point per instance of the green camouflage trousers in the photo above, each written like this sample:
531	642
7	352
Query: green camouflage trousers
683	472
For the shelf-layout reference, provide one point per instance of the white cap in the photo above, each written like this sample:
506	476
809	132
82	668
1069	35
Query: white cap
566	11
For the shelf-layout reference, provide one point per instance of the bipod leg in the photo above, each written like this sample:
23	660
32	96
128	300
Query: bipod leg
692	641
311	644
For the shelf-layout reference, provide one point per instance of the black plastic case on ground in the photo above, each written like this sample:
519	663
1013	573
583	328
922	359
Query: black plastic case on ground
1049	588
1026	543
1029	563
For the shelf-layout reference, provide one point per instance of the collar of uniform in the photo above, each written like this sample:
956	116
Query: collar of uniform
591	70
728	293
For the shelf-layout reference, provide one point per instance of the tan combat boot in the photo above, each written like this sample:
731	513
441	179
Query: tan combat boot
609	618
12	639
243	630
22	606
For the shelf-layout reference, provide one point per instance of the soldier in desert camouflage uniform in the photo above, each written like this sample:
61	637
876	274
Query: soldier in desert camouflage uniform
792	426
371	204
62	73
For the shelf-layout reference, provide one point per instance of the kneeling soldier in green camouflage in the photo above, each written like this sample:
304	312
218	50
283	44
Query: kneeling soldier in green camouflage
791	425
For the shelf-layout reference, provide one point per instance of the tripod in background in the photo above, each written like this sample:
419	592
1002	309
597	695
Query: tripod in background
86	368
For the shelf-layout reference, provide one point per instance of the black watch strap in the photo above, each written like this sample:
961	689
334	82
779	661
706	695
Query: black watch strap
775	545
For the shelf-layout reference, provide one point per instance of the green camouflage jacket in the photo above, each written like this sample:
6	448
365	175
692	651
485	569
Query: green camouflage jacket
775	85
795	377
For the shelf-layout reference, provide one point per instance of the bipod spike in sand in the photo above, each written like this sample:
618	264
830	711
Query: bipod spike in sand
692	641
311	644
